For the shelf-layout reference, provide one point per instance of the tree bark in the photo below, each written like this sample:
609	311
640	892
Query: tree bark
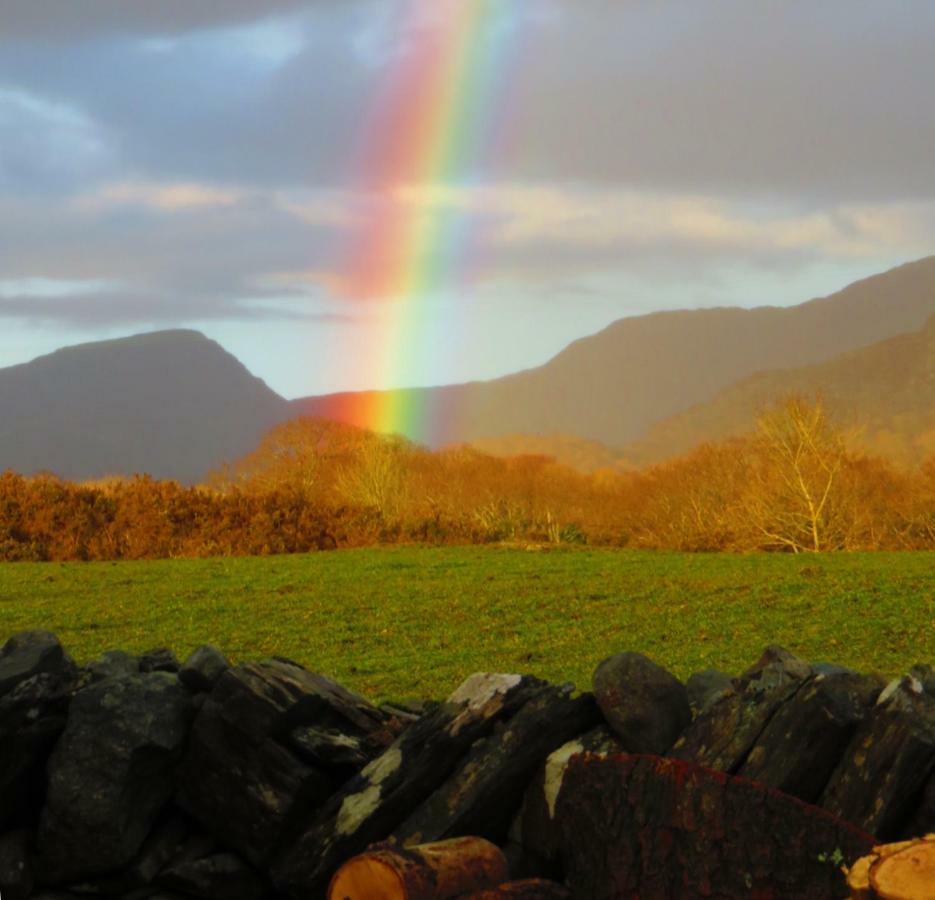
436	871
647	827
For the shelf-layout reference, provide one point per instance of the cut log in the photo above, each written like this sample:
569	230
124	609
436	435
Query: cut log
370	806
483	795
722	736
437	871
901	871
648	827
527	889
880	781
806	738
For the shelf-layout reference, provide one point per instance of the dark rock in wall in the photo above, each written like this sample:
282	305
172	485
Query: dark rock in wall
203	668
221	876
722	736
239	779
162	659
112	664
375	802
39	679
879	782
534	829
30	653
806	738
111	773
483	795
646	706
705	688
15	870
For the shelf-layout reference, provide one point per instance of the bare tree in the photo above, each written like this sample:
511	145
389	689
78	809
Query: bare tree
795	498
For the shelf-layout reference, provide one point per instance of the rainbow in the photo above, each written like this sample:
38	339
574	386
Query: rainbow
424	144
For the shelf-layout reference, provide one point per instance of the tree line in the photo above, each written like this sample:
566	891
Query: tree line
793	485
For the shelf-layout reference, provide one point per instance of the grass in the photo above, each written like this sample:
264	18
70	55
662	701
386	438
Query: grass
411	622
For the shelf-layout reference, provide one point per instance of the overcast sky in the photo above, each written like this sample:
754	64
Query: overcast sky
192	163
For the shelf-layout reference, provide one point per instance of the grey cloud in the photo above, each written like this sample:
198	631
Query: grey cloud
57	20
120	308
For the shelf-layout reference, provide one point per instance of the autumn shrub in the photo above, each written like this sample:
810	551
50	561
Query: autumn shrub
794	485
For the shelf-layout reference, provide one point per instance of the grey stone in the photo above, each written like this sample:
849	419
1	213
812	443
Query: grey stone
112	664
645	706
706	688
203	668
159	660
111	773
30	653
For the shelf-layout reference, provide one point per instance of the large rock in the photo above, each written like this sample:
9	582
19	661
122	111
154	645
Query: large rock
374	803
648	827
30	653
646	706
722	736
806	738
705	688
32	716
239	777
111	773
880	781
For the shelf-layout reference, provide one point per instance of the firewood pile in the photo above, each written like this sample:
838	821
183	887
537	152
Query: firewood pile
143	778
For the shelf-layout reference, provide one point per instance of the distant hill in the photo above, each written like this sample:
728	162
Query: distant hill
614	386
176	405
172	404
577	453
888	388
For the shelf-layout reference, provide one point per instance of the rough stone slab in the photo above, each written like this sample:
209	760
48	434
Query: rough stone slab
645	706
239	778
880	781
807	736
110	774
483	795
651	827
722	736
374	803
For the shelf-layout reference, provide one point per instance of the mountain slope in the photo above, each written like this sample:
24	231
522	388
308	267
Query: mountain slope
615	385
172	404
888	388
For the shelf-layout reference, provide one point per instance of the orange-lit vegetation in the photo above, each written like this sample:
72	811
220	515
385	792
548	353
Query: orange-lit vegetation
794	485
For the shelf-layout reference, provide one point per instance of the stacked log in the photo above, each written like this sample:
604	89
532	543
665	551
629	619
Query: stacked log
901	871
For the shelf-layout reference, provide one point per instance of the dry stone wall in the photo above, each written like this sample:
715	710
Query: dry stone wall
142	778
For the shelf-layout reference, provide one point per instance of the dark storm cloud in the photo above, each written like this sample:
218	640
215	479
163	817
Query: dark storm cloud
816	107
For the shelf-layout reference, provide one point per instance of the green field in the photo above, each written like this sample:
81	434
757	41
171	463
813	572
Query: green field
410	622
